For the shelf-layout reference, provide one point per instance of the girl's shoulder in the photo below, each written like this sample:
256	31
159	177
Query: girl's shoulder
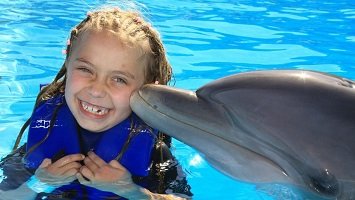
56	100
140	125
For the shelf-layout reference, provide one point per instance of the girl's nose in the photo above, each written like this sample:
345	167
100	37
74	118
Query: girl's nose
97	89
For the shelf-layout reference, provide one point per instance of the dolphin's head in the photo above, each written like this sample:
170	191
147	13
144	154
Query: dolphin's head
205	126
267	126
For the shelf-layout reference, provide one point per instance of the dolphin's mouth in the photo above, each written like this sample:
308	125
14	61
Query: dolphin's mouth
155	109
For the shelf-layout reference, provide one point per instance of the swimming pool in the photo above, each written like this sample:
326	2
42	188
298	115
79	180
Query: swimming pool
205	40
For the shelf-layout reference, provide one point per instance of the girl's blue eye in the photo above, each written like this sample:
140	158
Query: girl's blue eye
119	80
84	69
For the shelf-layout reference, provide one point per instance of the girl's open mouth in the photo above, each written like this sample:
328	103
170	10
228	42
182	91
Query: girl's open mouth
93	109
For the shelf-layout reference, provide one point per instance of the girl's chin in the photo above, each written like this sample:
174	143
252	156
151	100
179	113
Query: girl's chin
92	122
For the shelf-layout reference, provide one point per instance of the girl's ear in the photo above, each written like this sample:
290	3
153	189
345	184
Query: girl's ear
156	82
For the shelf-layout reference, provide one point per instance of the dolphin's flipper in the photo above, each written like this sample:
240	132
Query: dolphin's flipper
266	126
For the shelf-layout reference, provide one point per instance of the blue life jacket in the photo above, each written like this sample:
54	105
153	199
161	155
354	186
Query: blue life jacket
53	130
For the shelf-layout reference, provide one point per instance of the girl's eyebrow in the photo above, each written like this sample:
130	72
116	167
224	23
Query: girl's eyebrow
129	75
113	72
84	61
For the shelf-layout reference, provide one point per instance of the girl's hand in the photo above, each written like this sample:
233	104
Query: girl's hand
111	177
61	172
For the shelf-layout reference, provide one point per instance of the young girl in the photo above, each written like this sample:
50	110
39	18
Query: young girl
84	141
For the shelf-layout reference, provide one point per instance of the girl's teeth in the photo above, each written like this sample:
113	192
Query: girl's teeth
97	110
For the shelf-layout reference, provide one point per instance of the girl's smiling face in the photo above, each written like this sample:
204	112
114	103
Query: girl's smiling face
101	75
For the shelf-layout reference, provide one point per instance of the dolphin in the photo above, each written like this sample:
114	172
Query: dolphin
279	126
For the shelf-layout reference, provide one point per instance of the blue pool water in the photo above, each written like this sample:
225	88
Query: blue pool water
205	40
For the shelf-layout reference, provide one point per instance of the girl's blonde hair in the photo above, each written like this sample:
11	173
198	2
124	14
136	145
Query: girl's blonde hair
132	30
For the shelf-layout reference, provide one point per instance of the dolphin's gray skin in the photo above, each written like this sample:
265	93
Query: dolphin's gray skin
288	126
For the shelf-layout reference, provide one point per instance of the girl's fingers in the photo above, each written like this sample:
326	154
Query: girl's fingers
62	165
90	164
62	170
117	165
87	173
71	172
96	159
74	166
45	163
68	159
94	162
